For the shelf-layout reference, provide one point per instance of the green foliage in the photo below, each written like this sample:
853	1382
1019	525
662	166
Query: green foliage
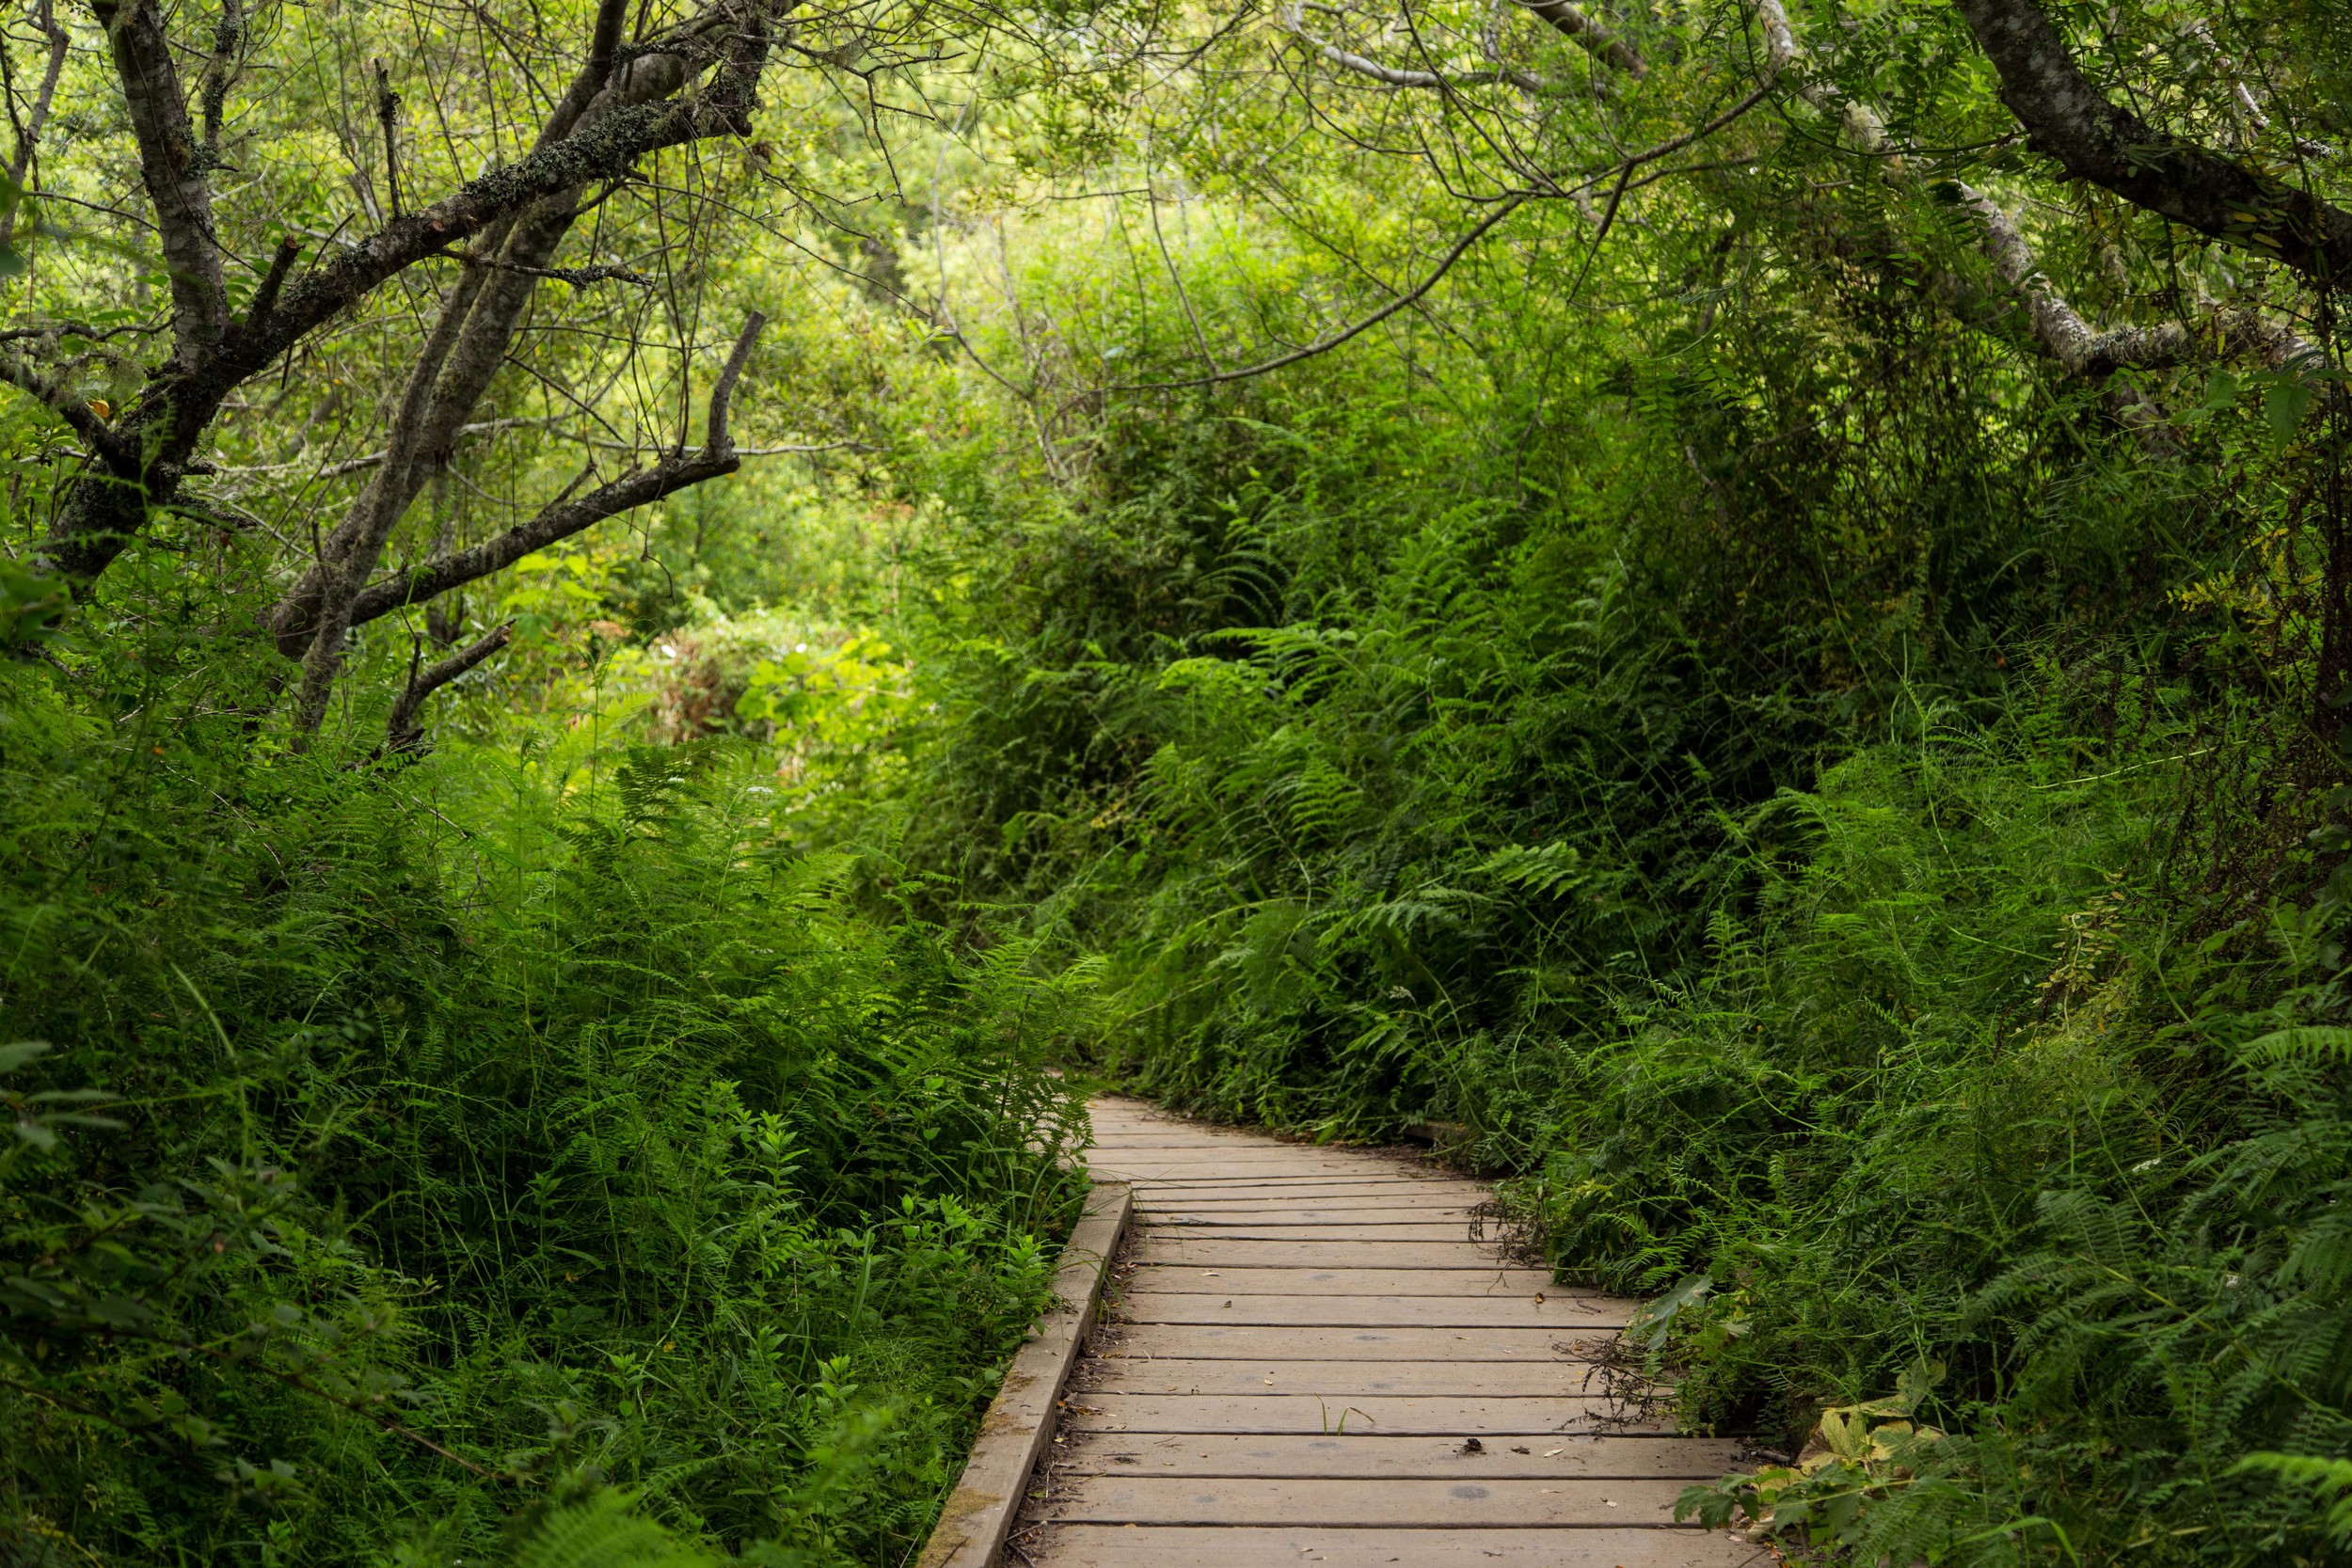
398	1149
1845	832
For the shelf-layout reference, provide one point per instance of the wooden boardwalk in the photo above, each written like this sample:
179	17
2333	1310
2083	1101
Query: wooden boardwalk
1308	1344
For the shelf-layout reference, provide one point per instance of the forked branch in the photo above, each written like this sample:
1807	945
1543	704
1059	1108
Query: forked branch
677	471
402	731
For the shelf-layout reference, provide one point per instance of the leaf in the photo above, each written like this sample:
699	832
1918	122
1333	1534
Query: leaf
2305	1040
2285	401
17	1054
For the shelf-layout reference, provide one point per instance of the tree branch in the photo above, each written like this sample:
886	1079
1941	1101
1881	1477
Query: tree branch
599	130
2084	351
641	487
1503	209
219	72
605	148
1586	31
2092	138
173	169
26	378
402	733
716	442
1391	76
28	135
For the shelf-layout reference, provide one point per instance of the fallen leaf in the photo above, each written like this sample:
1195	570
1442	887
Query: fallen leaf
1516	1448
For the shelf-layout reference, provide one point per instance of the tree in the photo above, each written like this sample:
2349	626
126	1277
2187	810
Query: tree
474	174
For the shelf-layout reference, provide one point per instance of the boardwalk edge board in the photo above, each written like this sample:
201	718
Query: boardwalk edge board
1020	1421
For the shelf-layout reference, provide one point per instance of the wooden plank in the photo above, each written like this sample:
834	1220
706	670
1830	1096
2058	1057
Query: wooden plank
1315	1503
979	1513
1335	1380
1445	1414
1244	1157
1556	1314
1185	1135
1519	1456
1358	1197
1263	1190
1185	1250
1312	1210
1365	1185
1492	1282
1081	1545
1353	1227
1247	1153
1255	1170
1258	1342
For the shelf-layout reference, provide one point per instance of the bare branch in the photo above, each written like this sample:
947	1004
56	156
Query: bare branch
402	733
388	115
219	72
28	135
1391	76
579	278
1504	209
560	520
174	170
615	114
28	378
716	442
2084	351
1587	32
632	490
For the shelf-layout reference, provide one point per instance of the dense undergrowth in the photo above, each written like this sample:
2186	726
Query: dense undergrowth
406	1155
1881	902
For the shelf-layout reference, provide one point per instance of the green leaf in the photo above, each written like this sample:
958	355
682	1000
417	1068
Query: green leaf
17	1054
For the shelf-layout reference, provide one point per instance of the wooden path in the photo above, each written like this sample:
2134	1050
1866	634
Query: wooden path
1313	1361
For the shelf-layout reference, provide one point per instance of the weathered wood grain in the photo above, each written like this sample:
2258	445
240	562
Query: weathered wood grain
1324	1412
1466	1503
1522	1456
1081	1545
1559	1314
1212	1251
1477	1342
1493	1281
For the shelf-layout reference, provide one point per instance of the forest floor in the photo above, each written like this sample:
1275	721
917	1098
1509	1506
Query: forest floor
1325	1354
